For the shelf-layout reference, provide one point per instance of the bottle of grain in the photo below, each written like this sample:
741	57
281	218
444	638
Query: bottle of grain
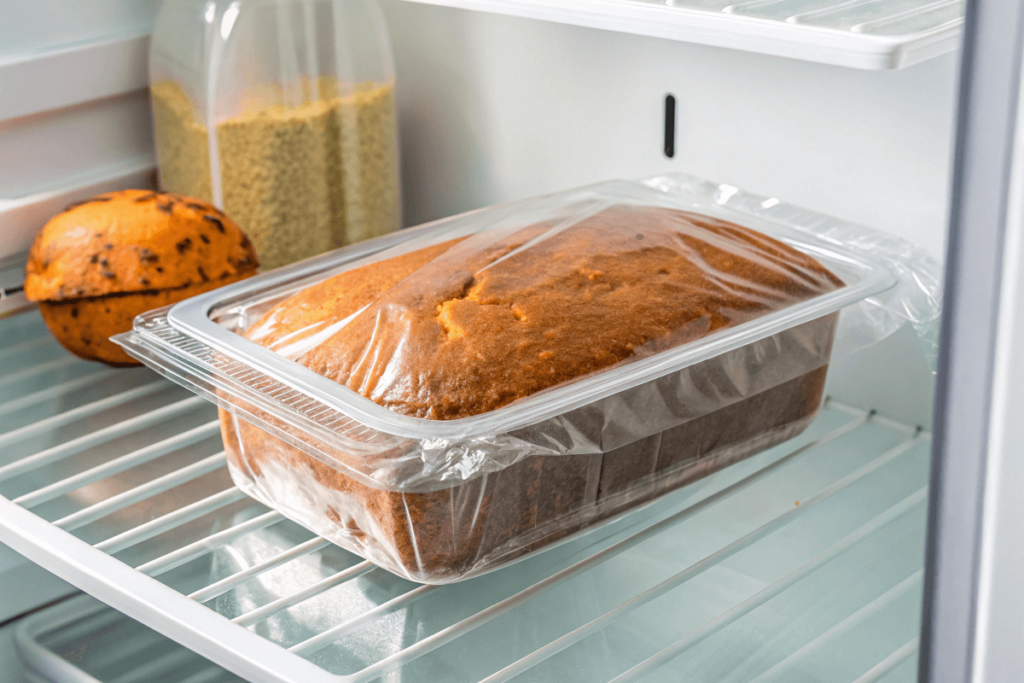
281	113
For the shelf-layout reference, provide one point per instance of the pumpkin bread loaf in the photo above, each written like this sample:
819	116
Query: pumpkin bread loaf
471	325
102	262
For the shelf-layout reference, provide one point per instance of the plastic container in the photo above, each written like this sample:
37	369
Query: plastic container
301	96
442	500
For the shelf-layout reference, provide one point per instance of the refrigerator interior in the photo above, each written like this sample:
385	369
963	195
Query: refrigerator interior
115	480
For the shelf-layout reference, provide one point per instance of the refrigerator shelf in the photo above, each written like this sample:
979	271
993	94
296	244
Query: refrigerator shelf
115	481
863	34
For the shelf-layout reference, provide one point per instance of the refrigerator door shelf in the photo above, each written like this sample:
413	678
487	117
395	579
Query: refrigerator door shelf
862	35
115	481
74	110
73	74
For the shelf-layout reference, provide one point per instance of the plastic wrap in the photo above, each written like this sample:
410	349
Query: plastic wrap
498	380
915	300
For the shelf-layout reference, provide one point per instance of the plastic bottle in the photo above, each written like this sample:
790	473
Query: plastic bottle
301	97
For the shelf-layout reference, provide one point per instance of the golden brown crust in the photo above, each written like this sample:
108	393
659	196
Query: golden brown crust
84	326
466	329
338	297
135	241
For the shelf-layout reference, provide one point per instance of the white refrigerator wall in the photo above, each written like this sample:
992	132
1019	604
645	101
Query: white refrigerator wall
495	108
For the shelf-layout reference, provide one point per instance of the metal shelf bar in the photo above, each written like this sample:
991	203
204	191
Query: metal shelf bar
245	653
693	570
142	492
61	389
227	583
112	467
76	446
450	633
887	665
183	515
835	550
82	411
272	608
201	547
24	346
55	364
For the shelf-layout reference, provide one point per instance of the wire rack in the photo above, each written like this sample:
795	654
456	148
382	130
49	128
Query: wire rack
801	563
865	34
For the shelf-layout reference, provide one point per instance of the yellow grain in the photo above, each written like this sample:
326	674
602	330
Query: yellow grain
300	180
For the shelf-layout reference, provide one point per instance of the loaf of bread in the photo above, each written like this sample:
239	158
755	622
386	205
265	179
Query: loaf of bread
473	324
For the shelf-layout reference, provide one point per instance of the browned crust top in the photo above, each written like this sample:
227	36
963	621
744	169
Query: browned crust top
466	327
134	241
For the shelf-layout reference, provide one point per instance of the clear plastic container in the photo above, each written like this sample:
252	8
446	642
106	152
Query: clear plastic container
738	365
301	94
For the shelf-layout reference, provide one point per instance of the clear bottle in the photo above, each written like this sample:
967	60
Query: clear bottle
301	97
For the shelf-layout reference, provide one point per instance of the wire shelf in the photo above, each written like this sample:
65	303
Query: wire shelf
801	563
864	34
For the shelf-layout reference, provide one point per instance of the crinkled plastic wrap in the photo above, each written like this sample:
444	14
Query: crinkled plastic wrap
504	378
915	300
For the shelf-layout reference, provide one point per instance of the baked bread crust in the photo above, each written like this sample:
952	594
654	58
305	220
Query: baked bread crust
134	241
468	327
84	326
102	262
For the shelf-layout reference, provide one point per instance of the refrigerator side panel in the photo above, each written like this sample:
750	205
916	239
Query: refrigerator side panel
975	282
998	630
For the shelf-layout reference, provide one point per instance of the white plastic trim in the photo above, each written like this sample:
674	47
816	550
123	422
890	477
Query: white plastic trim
798	41
135	594
997	655
73	74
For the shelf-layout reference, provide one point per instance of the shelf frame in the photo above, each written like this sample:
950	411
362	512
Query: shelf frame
726	28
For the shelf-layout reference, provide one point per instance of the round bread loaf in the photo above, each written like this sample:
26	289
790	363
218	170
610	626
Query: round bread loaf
102	262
